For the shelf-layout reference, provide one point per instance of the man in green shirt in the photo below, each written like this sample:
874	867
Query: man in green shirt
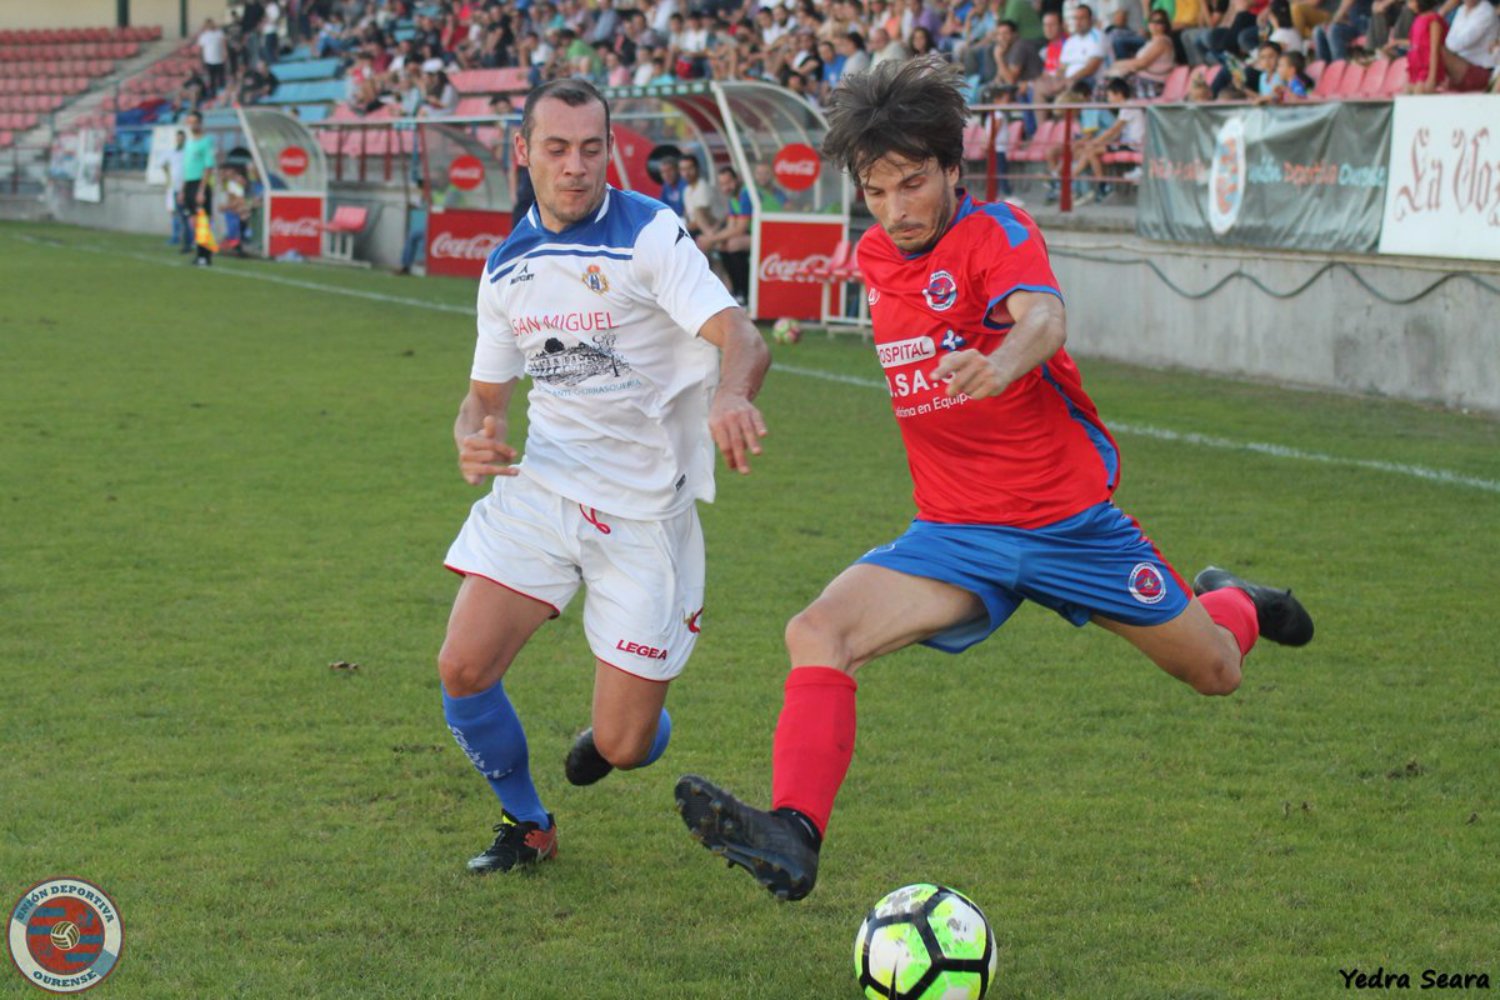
197	177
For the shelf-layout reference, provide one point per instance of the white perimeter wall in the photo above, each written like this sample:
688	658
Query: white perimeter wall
1442	348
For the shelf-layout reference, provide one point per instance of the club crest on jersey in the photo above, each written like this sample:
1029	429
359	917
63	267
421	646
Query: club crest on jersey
1146	584
595	279
941	291
872	297
953	342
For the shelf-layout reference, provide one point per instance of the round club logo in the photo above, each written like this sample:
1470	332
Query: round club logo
1146	584
1226	176
293	161
941	291
65	935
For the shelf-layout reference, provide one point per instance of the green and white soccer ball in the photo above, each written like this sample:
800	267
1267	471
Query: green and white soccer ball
925	942
786	331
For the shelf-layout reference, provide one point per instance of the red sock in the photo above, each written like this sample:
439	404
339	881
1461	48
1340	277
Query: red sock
814	742
1233	609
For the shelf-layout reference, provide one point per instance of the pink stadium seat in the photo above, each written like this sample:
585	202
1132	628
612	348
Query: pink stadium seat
1349	84
472	107
1328	83
1395	77
1373	84
1175	89
491	81
1315	69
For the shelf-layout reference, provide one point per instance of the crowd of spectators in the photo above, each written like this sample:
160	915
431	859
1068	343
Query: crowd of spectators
400	55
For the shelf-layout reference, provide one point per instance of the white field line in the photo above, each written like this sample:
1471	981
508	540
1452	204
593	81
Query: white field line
1444	476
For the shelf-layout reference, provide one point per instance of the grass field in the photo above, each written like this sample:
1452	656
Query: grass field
214	484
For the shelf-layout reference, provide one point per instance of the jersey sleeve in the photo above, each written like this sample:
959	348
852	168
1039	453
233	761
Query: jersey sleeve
676	274
1014	259
497	359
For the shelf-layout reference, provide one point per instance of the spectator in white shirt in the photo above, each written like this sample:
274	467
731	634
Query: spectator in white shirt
1469	52
211	43
1083	52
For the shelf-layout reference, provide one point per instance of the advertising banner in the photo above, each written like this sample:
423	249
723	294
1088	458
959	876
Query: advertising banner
1443	199
460	240
786	247
1304	177
296	224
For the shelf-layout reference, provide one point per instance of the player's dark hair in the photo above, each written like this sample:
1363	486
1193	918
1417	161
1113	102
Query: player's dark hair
913	110
573	92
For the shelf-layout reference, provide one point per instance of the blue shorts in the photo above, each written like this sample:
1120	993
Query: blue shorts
1098	562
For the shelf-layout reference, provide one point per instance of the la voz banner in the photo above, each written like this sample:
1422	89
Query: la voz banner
1308	177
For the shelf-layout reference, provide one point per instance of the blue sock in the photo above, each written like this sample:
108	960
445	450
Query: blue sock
663	737
489	731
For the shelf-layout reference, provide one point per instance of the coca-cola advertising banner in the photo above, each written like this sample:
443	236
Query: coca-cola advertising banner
797	166
1443	197
296	224
460	240
785	249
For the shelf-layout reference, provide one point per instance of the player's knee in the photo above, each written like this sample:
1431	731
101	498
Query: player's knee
1216	675
624	749
463	674
813	637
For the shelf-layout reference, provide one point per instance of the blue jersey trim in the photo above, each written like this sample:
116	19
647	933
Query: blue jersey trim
1007	294
612	233
1107	451
1015	230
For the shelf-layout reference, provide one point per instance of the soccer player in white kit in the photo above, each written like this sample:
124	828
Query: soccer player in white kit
600	296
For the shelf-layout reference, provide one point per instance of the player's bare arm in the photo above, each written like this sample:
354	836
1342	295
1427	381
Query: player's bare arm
479	432
1040	331
733	420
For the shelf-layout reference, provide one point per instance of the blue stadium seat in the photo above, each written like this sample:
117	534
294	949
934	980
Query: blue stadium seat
308	92
310	69
312	112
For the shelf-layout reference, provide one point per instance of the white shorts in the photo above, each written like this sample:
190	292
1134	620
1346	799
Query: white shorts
644	578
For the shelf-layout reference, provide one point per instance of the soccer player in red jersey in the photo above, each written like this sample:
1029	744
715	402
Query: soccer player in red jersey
1013	472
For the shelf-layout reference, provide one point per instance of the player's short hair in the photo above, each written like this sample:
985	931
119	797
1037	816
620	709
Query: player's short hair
573	92
912	109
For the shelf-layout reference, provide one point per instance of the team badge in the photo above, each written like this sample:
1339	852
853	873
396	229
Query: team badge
65	935
941	291
953	342
1146	584
872	297
595	279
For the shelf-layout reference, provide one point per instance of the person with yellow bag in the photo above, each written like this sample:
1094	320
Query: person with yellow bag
197	195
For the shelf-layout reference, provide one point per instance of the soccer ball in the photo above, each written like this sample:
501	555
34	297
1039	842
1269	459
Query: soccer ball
925	942
786	331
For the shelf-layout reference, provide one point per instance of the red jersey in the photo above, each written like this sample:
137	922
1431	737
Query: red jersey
1035	454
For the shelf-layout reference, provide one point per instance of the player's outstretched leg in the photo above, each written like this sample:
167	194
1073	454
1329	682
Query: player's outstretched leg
779	848
518	844
1280	616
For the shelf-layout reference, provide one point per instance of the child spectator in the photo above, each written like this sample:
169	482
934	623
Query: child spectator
1426	72
1288	83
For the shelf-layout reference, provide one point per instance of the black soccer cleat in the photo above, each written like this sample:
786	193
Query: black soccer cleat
771	846
585	764
517	845
1280	616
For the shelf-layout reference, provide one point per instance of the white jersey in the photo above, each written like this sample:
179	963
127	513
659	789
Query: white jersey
604	317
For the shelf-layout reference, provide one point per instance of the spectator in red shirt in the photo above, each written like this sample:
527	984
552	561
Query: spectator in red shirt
1424	60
